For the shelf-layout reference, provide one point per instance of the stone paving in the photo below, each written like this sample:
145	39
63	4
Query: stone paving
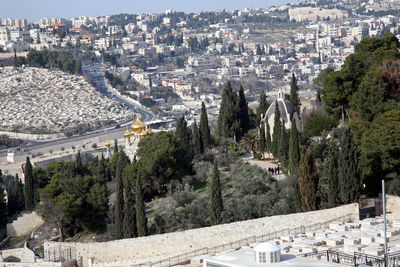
51	101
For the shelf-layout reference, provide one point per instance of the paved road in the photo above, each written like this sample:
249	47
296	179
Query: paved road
95	72
265	165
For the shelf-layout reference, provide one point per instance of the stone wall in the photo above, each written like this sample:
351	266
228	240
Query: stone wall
27	136
393	206
24	224
157	247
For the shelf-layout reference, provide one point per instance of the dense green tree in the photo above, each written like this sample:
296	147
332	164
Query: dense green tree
294	94
15	194
216	196
262	106
204	127
316	122
161	160
101	171
243	113
129	222
331	172
294	149
369	98
276	134
141	220
348	174
308	182
228	124
380	146
196	140
29	192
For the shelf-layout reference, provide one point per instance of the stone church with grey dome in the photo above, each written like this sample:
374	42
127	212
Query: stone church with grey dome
287	112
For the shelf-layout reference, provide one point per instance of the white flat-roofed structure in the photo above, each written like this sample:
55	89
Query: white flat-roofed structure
245	257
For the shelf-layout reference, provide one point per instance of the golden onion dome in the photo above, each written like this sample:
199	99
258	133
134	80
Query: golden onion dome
127	134
108	143
138	126
143	134
149	131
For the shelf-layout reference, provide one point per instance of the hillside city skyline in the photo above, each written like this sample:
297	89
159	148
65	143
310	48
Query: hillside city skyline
34	11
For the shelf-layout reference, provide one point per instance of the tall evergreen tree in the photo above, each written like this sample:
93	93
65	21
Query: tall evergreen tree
294	149
101	171
129	223
331	172
204	127
184	135
261	139
262	106
283	153
349	173
226	126
115	146
294	94
3	210
268	142
141	220
196	140
243	113
29	186
308	182
119	201
216	196
276	131
78	164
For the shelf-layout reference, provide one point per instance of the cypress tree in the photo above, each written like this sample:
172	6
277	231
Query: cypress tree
308	182
294	149
216	196
29	186
348	174
184	135
3	210
331	172
268	142
261	139
204	127
276	131
20	193
227	117
115	146
78	164
283	146
196	141
262	106
129	223
101	170
141	220
294	94
119	201
243	113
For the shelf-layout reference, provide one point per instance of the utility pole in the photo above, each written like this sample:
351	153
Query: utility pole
384	219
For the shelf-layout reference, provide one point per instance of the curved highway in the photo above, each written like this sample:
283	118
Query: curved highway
95	72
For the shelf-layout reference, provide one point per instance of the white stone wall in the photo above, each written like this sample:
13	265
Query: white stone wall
157	247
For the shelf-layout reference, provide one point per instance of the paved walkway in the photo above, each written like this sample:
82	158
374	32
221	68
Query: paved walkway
264	165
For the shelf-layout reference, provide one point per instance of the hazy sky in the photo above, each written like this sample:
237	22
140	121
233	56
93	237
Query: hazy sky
35	9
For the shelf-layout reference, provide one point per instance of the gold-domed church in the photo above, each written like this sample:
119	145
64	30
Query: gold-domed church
139	131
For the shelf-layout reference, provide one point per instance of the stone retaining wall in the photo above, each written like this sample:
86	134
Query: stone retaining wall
152	248
24	224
